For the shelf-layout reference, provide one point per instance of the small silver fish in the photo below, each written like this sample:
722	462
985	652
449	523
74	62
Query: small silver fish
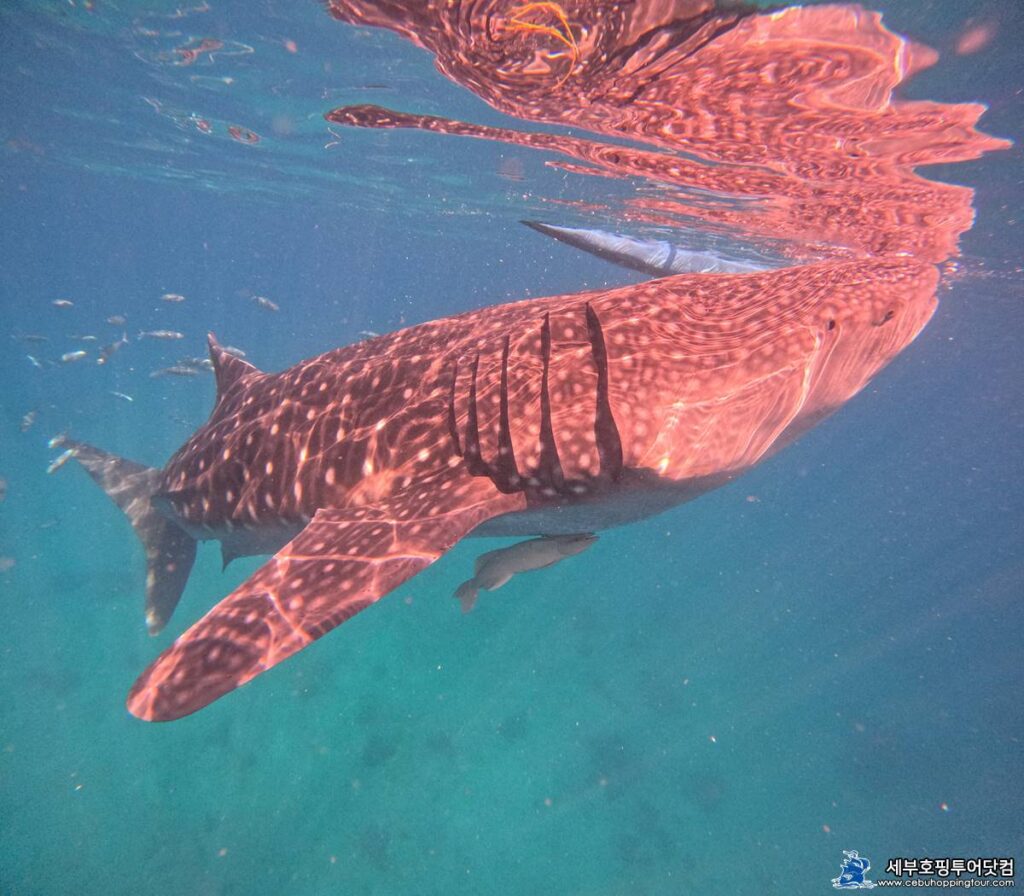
28	420
176	370
160	334
86	338
3	488
34	361
31	337
62	459
197	363
57	440
368	334
108	351
62	303
117	320
231	350
172	297
70	357
495	568
266	304
122	395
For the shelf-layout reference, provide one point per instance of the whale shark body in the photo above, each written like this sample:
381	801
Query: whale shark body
562	415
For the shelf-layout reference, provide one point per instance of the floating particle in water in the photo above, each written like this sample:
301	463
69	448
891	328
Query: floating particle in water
975	36
512	168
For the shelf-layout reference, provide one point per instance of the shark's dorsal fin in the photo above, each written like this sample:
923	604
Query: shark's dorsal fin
227	368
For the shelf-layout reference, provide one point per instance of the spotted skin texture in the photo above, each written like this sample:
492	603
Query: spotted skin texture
701	377
342	562
574	413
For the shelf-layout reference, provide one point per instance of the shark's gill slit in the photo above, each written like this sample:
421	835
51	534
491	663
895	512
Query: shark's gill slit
606	433
549	465
453	425
547	481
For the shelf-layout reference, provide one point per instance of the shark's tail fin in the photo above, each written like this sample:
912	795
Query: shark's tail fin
170	551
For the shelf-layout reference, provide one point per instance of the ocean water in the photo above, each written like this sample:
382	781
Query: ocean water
823	655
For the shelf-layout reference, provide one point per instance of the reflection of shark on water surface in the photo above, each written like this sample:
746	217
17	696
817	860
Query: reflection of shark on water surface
554	416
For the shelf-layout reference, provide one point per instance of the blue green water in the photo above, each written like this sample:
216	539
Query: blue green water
824	655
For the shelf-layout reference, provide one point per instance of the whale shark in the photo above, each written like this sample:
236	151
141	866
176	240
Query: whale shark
563	415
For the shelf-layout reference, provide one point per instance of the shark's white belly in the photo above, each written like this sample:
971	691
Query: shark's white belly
636	497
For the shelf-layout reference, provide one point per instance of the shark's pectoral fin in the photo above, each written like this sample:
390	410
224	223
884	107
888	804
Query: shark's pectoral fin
342	562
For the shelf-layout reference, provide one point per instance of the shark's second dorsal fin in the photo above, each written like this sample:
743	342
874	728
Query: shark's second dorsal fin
227	368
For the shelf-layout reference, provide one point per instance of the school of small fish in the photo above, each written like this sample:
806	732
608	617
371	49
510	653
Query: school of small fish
186	367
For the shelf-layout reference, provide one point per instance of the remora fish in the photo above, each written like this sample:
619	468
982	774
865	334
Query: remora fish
495	568
559	415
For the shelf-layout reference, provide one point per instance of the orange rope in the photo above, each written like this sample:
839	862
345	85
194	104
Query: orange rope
565	35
